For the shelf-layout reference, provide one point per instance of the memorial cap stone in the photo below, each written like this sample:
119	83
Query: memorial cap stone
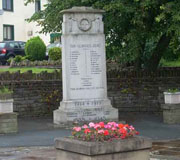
82	10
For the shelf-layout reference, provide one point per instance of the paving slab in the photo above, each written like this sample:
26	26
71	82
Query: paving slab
41	132
167	149
49	153
28	153
152	126
35	139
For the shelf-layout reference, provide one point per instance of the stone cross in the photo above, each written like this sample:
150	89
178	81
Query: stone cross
84	68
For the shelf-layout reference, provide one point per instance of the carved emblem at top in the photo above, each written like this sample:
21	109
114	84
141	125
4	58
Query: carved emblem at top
85	24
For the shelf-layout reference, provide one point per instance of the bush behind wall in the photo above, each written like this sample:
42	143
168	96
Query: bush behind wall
35	49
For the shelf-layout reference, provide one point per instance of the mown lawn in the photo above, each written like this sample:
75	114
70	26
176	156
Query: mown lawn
22	70
171	63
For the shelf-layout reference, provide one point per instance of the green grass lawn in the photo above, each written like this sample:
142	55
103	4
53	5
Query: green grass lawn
22	70
170	63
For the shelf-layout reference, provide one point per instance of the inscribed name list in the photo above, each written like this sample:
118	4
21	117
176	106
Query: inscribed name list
86	70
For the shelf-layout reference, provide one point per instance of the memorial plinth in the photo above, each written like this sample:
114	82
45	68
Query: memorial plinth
133	148
84	68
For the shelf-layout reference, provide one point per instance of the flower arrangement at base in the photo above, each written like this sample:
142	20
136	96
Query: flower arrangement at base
103	132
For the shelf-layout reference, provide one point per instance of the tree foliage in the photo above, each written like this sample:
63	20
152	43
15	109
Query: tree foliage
137	31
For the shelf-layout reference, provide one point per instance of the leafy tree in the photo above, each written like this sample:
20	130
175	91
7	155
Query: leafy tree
138	31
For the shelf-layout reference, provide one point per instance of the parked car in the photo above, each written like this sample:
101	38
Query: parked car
9	49
52	45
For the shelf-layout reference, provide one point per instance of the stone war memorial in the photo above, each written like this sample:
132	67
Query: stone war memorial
84	68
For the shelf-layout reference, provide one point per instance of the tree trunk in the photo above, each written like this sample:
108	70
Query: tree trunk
158	52
138	62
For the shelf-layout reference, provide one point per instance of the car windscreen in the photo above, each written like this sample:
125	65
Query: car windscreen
2	45
51	45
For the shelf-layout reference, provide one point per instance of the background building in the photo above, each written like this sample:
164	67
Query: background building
13	24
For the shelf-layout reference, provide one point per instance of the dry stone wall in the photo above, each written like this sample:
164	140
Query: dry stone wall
35	95
132	91
129	91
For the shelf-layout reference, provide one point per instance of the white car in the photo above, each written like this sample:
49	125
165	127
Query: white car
52	45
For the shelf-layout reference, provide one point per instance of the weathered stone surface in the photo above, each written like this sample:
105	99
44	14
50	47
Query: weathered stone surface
172	98
4	96
4	116
134	148
171	113
6	105
128	91
30	97
170	106
8	123
82	10
49	153
84	68
84	114
133	155
97	148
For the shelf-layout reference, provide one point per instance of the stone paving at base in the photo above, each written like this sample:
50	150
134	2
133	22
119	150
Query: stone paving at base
41	132
169	150
28	153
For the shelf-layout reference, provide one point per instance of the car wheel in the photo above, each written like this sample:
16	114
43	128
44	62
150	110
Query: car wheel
3	63
11	56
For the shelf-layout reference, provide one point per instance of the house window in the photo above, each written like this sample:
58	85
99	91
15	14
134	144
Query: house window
8	32
8	5
37	5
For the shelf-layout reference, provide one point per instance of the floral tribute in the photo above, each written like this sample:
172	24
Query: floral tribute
103	132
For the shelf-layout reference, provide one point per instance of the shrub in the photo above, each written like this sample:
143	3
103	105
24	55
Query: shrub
5	93
9	60
27	57
5	90
55	53
35	49
18	59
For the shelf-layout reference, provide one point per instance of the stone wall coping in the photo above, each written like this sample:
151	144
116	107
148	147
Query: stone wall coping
6	100
98	148
113	75
8	115
6	96
82	9
171	93
170	106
